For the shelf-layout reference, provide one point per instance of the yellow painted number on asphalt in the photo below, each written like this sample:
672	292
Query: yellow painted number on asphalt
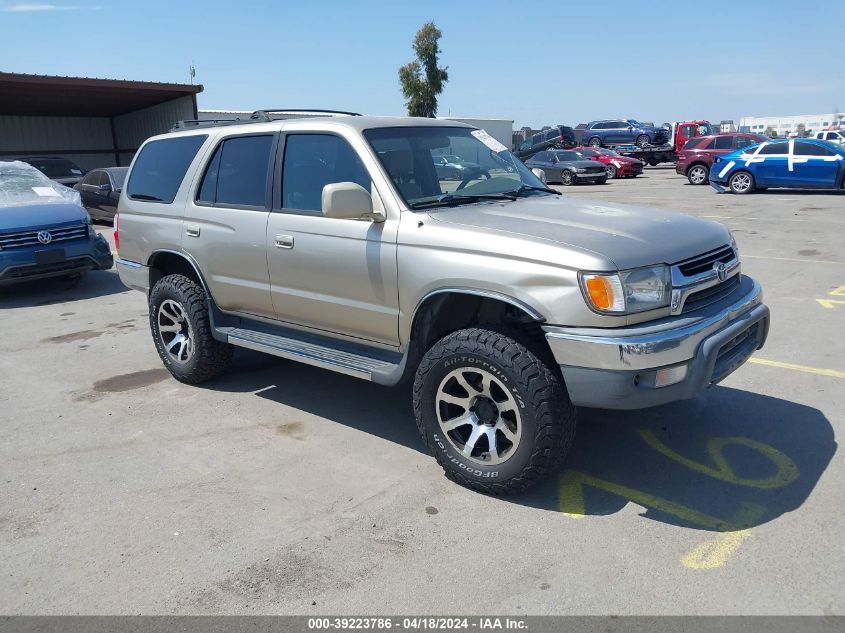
713	552
787	471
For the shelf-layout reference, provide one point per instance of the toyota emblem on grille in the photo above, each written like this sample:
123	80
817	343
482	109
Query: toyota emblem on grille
721	270
44	237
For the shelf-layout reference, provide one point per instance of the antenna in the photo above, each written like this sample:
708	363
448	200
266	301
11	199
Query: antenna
192	71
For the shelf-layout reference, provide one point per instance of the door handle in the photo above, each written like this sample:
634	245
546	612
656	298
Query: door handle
192	230
284	241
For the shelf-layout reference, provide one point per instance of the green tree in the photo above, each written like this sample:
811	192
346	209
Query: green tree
770	133
422	79
801	130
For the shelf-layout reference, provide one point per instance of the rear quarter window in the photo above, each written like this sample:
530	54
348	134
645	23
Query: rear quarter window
160	167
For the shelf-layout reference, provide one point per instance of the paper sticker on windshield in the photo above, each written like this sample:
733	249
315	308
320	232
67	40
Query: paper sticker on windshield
78	172
47	192
488	140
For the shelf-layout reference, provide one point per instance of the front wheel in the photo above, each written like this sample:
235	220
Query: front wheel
566	178
741	182
181	331
698	175
497	418
643	140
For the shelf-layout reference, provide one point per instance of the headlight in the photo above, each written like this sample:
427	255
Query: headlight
627	291
734	246
92	233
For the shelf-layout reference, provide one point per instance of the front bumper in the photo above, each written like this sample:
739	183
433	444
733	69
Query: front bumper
591	176
618	369
20	265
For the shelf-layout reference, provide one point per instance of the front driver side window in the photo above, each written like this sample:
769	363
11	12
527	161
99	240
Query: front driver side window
313	161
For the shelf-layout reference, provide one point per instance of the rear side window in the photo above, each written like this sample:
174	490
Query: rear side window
237	173
313	161
161	166
803	148
723	142
695	142
744	141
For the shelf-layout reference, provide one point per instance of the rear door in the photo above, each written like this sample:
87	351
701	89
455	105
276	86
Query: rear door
330	274
225	224
815	165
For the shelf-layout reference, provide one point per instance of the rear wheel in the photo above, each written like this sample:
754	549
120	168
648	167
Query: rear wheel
611	171
497	418
595	142
741	182
698	175
181	331
643	140
566	177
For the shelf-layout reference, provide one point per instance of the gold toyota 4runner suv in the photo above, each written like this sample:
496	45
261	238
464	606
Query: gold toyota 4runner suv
349	243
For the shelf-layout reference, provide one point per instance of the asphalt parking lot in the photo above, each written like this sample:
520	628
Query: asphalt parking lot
281	488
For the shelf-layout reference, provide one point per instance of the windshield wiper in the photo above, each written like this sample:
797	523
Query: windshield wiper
526	188
452	198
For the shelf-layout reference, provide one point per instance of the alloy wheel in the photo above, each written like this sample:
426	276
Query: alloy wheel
478	415
741	182
697	175
174	331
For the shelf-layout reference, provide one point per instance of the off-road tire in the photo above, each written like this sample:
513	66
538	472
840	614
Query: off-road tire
209	356
547	416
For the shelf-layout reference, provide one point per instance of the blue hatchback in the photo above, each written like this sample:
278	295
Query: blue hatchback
794	163
44	231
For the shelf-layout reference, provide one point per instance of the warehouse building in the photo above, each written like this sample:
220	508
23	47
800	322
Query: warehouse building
786	125
92	122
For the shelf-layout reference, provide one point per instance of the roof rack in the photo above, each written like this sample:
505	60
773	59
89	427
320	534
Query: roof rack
198	123
264	113
259	116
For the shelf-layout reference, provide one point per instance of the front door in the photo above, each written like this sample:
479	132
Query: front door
334	275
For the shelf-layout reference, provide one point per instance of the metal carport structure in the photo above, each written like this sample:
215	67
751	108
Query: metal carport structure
93	122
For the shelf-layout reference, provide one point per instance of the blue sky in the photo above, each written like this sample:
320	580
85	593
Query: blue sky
537	63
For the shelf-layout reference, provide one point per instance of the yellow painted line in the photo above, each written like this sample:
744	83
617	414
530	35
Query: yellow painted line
829	303
714	553
819	371
837	292
792	259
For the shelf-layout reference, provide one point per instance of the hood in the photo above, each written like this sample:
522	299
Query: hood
627	236
35	216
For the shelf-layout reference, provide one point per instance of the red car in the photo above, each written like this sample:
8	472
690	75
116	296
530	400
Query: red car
695	160
616	165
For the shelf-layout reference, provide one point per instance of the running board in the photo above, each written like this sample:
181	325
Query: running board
314	353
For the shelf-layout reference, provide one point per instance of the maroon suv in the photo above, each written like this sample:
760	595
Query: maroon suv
695	159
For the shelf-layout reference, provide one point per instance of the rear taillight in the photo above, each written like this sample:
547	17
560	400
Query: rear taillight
116	233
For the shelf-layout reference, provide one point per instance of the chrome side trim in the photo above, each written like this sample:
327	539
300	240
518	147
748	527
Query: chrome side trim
644	347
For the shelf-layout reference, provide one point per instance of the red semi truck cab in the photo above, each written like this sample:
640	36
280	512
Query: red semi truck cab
685	130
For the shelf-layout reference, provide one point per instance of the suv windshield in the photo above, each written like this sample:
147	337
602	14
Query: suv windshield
55	167
487	168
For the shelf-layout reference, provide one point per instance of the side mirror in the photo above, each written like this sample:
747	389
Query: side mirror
540	174
104	188
349	201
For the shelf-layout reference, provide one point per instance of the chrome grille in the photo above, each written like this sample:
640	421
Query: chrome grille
58	234
704	262
696	281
